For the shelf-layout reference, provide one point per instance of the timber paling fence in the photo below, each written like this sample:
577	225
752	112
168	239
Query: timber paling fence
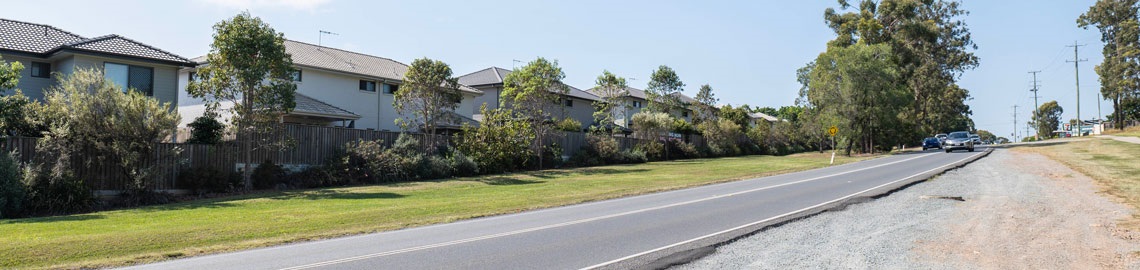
304	146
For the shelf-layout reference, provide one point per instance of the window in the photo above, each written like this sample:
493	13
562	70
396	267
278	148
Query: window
127	76
41	70
193	76
391	88
296	75
685	114
636	104
369	86
569	103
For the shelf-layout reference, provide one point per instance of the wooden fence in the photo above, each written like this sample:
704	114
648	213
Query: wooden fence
307	145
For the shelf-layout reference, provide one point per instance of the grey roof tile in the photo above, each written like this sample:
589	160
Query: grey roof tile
633	92
45	39
306	104
495	75
306	54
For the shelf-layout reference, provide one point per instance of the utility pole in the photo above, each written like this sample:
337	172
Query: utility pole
1077	68
1036	107
1015	124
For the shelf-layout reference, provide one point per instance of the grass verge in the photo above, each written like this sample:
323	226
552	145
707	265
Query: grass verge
1115	165
123	237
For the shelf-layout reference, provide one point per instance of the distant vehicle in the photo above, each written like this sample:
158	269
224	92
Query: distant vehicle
976	139
930	143
959	140
941	137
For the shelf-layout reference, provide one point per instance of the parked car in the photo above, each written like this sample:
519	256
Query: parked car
976	139
959	140
941	137
931	142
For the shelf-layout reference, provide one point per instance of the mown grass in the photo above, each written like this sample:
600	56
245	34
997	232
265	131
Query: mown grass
1115	165
1130	131
115	238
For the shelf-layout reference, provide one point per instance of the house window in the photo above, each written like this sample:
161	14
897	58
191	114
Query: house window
41	70
457	98
369	86
127	76
296	75
391	88
636	104
685	114
569	103
193	76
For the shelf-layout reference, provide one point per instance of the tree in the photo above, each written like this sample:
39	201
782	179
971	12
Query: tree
427	99
1120	32
248	66
531	91
986	136
664	86
500	143
706	105
122	127
1049	119
14	108
858	85
9	74
931	47
613	90
649	127
739	115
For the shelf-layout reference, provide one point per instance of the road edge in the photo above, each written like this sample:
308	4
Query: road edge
695	249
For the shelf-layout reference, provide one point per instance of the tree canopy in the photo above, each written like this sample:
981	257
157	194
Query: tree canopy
1120	72
428	98
661	93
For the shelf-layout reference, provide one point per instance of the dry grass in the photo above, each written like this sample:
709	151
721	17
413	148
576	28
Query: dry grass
123	237
1115	165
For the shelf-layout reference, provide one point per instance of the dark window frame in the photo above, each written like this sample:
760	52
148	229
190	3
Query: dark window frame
150	87
569	103
296	75
192	77
43	67
391	89
364	86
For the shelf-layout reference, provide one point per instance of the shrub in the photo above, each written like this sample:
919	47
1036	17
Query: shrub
501	143
569	124
369	162
11	188
722	137
652	150
208	180
205	130
462	165
267	175
314	177
434	167
632	156
59	194
681	149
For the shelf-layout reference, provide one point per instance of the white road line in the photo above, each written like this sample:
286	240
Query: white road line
467	240
768	219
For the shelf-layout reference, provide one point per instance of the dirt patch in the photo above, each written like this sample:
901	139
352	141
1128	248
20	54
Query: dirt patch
1061	222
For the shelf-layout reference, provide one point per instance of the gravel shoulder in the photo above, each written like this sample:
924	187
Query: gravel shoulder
1020	211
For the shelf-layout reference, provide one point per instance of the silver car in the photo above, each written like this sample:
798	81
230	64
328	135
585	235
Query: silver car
976	139
959	140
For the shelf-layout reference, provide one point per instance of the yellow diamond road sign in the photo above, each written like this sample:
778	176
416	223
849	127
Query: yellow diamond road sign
832	131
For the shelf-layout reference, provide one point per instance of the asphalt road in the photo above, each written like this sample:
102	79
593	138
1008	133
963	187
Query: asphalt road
630	232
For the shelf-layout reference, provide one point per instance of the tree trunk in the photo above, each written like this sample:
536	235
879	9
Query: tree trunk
246	144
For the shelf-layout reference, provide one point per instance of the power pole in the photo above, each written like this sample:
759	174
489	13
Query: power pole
1036	107
1077	68
1015	124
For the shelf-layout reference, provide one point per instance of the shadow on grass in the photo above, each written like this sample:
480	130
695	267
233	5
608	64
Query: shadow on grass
80	217
325	194
611	170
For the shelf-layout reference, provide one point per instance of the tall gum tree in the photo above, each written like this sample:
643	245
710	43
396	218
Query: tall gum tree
427	99
1120	72
248	67
534	91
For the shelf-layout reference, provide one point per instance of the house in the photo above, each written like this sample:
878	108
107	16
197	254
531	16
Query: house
339	88
44	50
758	118
575	104
636	100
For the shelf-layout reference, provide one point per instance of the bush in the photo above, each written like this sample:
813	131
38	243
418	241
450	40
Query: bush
680	149
314	177
205	130
369	162
653	150
462	165
206	180
267	175
501	143
12	190
569	125
631	157
56	194
434	167
722	137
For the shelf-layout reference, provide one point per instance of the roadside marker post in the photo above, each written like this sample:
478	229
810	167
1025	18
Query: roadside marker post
832	131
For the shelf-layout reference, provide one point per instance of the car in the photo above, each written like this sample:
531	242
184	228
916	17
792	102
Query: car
941	137
958	140
931	142
976	139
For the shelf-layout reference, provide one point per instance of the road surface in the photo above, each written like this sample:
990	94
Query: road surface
643	231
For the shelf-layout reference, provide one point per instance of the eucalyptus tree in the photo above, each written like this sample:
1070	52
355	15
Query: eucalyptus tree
427	98
706	105
613	91
663	90
534	91
1120	32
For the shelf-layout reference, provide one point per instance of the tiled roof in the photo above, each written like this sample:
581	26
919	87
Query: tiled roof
685	99
455	120
46	39
495	75
633	92
491	75
306	104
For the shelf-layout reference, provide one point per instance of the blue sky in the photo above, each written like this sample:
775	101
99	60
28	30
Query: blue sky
747	50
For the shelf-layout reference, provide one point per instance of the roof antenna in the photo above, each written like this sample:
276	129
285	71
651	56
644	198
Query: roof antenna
513	62
322	34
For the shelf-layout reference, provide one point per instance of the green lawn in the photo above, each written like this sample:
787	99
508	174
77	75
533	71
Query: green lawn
148	234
